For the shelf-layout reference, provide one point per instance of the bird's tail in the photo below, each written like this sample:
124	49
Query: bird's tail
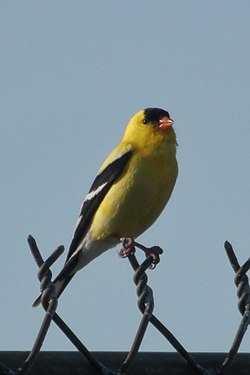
60	285
62	279
72	265
37	301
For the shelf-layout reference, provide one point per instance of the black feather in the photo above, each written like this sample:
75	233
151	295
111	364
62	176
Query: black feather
89	207
154	114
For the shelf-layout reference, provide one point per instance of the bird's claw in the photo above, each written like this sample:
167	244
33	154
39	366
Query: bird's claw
129	249
154	252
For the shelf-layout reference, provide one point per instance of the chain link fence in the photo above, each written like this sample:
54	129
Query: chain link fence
85	362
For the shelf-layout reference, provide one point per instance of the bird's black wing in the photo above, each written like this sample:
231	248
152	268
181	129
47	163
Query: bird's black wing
97	192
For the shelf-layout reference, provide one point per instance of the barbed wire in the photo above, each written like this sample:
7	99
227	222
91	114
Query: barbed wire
145	304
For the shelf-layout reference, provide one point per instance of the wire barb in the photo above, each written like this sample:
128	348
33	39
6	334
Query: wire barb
49	302
48	299
156	323
146	306
243	292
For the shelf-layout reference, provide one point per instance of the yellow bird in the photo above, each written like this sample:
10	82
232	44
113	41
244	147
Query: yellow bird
129	192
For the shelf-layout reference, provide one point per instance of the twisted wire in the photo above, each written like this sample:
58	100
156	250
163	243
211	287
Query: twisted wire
243	288
243	293
140	279
49	300
146	306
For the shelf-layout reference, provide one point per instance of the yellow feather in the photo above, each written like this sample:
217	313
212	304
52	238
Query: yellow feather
138	197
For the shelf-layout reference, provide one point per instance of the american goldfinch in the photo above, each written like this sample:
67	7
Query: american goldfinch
129	192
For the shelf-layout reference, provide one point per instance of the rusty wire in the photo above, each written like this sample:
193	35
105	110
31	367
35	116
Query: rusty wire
146	306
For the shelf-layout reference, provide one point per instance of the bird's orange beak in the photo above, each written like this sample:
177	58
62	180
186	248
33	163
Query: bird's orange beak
165	123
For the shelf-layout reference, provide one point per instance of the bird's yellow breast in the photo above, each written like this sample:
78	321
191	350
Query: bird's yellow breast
138	197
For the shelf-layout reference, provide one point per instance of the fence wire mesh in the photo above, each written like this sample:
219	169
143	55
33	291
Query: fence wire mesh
146	306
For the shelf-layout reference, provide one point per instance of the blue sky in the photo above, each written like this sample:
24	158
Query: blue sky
72	74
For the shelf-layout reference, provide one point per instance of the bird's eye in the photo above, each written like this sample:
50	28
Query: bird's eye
144	121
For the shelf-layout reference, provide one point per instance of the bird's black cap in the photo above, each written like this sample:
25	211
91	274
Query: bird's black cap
154	114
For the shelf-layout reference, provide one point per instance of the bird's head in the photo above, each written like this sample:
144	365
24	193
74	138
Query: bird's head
150	124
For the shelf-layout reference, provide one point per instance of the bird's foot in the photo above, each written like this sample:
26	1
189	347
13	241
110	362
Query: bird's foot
129	249
154	252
